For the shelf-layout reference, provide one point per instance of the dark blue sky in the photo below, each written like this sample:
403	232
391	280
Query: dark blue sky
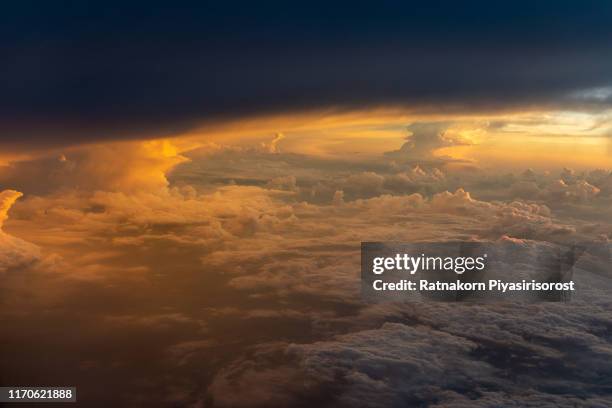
74	71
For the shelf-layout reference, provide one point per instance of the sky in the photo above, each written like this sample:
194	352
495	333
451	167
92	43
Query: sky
82	72
184	190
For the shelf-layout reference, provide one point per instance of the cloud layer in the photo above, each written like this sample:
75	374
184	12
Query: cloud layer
98	71
228	276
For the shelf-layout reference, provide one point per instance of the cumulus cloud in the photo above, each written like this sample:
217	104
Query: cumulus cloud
424	140
14	252
7	199
128	166
272	147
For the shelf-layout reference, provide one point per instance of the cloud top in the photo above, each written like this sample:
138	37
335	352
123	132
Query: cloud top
14	251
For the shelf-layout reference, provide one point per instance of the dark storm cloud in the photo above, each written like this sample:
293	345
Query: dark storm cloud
76	71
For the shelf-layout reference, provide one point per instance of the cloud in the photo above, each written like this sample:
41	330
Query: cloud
364	184
424	140
272	147
243	262
396	55
127	166
441	354
449	361
14	252
7	199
